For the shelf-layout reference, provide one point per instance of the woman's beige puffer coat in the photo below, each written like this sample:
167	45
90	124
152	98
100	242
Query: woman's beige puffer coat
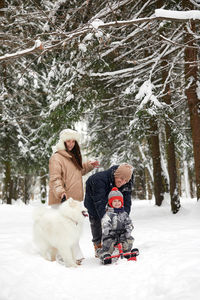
65	177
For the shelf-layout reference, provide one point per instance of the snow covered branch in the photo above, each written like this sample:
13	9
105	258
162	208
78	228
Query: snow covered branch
37	46
160	14
178	16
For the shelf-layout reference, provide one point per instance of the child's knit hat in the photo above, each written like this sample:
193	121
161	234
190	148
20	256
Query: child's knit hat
113	195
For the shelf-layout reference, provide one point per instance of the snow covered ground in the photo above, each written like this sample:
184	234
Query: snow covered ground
168	266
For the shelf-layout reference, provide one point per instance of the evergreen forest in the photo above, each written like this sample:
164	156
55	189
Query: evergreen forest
127	69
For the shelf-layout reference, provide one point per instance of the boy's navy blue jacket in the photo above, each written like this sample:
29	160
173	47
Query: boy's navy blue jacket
98	186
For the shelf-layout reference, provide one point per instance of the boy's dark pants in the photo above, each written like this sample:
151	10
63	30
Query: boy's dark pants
96	230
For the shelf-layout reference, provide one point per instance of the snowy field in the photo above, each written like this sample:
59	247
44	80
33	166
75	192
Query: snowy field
168	266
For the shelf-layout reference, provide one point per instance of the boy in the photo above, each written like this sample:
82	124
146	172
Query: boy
115	219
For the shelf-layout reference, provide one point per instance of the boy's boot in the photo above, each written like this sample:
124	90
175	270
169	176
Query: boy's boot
96	248
135	252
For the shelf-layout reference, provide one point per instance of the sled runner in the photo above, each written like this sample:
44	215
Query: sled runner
132	255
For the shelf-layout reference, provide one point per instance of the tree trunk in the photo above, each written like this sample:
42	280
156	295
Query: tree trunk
7	183
157	171
140	184
191	182
148	176
2	6
148	184
191	71
170	147
26	188
15	182
1	191
43	187
179	176
171	161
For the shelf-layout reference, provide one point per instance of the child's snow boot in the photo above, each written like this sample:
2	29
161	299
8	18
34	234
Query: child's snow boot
135	252
106	259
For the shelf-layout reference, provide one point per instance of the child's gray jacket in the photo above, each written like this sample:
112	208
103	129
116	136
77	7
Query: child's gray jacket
116	219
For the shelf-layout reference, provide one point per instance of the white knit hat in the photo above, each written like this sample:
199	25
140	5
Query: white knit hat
69	134
66	134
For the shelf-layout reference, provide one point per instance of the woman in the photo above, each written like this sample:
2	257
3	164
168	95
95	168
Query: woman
66	168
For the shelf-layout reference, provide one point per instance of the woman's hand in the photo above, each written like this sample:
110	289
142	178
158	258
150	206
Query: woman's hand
95	164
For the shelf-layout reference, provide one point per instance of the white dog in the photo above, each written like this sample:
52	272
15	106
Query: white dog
57	231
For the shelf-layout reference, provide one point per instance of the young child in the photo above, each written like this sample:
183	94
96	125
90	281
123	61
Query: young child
114	219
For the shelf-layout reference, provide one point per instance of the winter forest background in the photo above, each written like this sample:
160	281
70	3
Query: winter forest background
127	69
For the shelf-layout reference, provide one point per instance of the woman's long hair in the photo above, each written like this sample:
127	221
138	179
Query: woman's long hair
76	155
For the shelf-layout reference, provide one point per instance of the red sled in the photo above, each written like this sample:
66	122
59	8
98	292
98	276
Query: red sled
128	255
